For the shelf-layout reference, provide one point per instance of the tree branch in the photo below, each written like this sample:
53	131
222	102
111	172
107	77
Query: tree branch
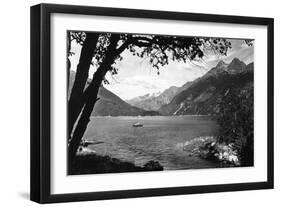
120	49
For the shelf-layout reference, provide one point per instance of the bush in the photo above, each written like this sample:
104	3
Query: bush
236	120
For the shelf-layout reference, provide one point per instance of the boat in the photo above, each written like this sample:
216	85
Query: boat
137	124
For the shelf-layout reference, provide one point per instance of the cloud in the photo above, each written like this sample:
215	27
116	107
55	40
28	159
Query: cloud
137	77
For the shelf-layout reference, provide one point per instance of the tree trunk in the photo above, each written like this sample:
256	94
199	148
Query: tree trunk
84	118
75	102
91	98
68	61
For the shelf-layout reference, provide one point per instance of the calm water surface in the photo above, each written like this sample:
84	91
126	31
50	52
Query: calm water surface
161	139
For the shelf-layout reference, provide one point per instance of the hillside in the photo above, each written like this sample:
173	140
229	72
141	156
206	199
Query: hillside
110	104
205	92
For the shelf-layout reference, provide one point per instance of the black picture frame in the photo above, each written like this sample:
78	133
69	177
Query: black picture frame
40	102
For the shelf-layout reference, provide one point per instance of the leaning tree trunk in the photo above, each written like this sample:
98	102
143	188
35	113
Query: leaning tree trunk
68	54
76	102
91	98
84	117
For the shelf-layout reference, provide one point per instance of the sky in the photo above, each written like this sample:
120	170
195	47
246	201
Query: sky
136	77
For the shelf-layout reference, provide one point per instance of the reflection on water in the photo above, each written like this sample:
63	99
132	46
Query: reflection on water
161	139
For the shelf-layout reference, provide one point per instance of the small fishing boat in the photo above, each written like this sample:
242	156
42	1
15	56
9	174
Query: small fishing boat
137	124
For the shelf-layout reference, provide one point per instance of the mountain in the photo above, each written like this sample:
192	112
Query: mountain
203	95
110	104
236	66
155	101
139	99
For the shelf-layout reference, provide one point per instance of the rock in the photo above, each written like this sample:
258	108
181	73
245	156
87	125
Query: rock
208	148
153	165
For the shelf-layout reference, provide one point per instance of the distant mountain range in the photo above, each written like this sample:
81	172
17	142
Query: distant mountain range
110	104
202	96
155	101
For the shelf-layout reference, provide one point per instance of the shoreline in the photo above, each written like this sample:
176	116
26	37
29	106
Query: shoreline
92	163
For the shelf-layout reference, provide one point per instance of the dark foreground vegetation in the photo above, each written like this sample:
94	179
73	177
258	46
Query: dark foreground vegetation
235	141
234	144
236	120
92	163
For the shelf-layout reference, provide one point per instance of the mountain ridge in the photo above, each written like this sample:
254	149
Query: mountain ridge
201	97
154	103
194	97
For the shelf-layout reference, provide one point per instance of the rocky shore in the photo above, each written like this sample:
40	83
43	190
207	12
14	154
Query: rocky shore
209	148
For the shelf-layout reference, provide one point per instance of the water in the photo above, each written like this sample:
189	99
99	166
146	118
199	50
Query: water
160	139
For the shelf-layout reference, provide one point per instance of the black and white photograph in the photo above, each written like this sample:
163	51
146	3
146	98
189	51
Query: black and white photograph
150	102
133	103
